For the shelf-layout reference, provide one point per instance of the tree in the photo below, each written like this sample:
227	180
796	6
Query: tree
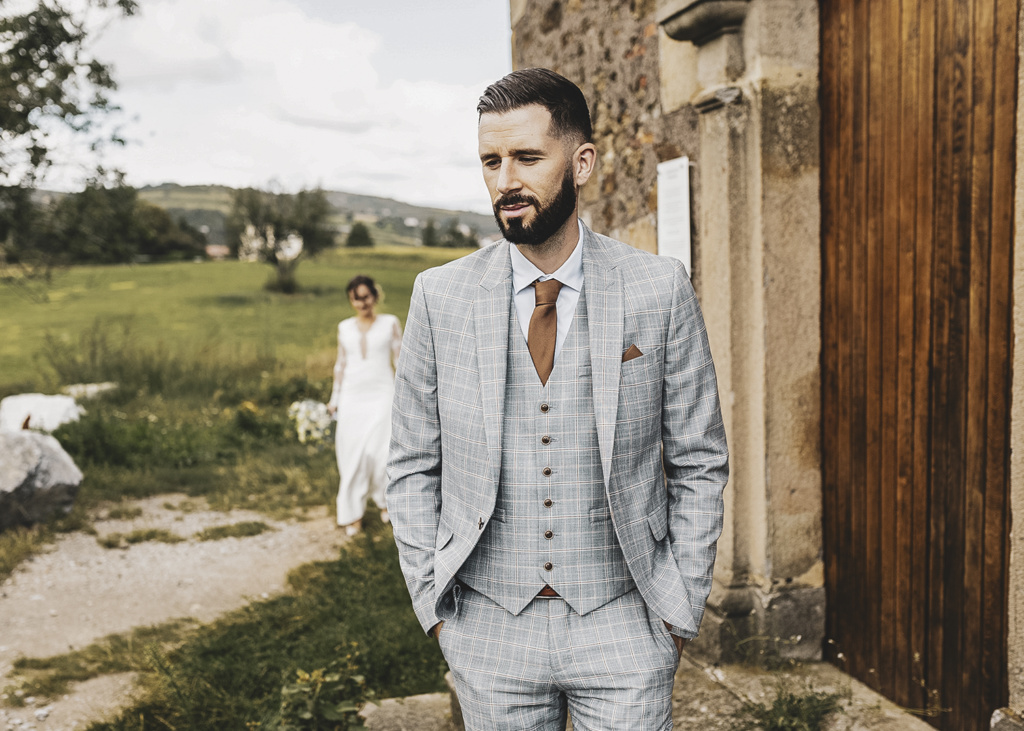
279	229
453	234
359	235
48	81
430	237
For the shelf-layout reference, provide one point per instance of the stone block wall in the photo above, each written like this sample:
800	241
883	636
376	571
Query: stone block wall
611	51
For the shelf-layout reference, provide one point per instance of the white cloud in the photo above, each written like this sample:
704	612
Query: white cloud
242	92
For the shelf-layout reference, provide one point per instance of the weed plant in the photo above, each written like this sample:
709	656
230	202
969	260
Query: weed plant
789	711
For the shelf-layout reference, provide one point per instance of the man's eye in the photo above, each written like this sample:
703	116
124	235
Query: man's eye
492	164
528	159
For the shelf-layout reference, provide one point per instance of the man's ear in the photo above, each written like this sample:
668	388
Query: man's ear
583	162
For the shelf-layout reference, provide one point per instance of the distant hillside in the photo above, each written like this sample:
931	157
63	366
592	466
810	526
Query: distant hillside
207	206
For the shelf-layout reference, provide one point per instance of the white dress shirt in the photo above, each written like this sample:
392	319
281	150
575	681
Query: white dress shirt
570	274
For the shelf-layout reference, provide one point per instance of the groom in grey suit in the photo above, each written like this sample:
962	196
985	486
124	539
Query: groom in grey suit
558	455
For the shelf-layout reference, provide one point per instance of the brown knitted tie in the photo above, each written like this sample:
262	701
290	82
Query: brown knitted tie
544	327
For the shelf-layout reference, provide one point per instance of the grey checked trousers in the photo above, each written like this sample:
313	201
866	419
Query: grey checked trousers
612	669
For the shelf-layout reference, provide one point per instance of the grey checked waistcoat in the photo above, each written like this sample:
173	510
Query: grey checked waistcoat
551	522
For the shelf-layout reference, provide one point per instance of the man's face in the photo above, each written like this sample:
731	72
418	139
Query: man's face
528	172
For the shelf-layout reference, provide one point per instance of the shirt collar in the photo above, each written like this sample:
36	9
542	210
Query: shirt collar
570	274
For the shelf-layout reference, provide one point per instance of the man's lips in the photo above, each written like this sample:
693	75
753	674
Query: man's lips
515	210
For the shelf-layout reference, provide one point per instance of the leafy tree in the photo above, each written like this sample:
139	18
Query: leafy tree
279	229
430	237
97	225
359	235
452	234
161	238
113	225
48	81
455	235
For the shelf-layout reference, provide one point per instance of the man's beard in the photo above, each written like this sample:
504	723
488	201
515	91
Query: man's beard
546	220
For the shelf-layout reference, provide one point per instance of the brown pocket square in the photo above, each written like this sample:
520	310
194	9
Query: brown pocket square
633	352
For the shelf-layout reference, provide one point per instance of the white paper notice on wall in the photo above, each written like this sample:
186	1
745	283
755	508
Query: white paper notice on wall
674	209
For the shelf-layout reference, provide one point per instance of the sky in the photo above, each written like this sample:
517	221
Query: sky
367	96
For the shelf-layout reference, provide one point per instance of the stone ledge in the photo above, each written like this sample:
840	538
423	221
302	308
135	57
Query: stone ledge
1005	719
700	21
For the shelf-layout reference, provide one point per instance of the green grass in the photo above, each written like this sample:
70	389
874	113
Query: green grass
230	674
119	540
124	512
208	362
49	677
790	711
213	307
234	530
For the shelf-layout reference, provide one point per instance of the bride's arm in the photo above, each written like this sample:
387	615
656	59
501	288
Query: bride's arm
339	373
396	341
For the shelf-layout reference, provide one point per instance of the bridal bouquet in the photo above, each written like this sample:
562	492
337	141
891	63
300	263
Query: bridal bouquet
311	420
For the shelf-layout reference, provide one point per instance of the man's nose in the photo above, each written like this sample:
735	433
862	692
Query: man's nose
508	180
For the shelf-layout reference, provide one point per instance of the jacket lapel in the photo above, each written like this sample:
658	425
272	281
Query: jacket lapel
490	316
604	311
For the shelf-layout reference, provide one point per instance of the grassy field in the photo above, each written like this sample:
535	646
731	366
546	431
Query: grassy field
208	362
203	306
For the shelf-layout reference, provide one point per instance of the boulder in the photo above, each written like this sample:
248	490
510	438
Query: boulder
38	479
37	411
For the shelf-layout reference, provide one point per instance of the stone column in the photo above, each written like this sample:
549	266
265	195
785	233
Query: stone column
759	252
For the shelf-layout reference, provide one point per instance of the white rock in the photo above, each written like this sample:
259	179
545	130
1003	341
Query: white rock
42	412
38	479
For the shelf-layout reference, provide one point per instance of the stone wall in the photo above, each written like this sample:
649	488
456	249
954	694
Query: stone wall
611	51
740	100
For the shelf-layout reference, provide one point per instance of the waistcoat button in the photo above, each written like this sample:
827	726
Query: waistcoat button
544	408
548	566
545	439
547	503
549	534
547	471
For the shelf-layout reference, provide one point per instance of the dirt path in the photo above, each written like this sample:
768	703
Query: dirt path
78	592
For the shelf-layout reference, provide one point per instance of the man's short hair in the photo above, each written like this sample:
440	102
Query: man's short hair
570	117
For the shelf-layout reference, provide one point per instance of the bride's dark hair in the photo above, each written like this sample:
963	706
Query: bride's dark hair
359	279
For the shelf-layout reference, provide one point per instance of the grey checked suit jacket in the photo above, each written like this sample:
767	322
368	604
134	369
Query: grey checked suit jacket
660	431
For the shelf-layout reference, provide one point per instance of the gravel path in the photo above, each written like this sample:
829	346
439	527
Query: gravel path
78	592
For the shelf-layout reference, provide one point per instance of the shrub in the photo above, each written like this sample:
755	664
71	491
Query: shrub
790	711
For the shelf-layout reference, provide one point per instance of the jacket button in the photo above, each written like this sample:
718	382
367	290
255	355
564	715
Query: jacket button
545	439
544	408
547	471
547	503
548	566
549	534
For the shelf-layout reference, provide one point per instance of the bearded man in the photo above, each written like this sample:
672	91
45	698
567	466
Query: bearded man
558	455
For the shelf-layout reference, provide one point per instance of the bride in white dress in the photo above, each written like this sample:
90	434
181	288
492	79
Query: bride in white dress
364	386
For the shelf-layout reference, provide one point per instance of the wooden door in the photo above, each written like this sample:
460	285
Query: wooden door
918	146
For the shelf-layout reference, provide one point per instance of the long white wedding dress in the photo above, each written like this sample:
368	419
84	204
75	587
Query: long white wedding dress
364	387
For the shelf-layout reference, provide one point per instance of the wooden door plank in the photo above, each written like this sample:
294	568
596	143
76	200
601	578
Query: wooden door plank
887	297
904	691
976	451
830	68
939	505
923	247
871	494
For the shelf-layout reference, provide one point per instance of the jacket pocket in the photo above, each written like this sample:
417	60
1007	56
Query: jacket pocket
444	536
658	521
